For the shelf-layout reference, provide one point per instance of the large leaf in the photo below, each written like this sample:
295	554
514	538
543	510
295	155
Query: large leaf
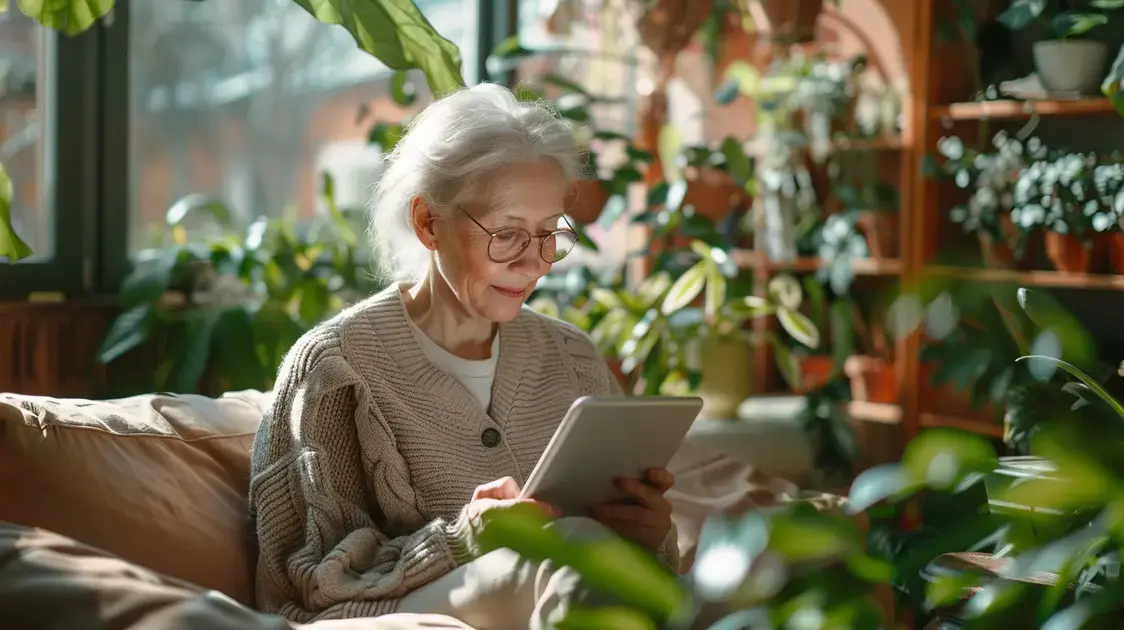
395	32
1073	23
11	247
1076	343
128	331
1111	84
686	288
1022	12
799	327
1087	380
69	17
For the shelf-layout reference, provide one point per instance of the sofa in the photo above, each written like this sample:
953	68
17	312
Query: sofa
131	513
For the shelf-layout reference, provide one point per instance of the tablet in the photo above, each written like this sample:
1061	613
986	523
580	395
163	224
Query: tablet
603	438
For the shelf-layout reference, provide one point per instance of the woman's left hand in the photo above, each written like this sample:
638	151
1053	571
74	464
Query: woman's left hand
648	521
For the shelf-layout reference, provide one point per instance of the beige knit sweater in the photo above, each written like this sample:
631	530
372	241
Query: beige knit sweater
364	463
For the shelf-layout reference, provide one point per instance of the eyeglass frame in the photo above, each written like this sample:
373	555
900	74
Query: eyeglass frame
569	229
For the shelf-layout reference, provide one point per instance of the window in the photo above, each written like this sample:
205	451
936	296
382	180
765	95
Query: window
242	101
23	129
246	102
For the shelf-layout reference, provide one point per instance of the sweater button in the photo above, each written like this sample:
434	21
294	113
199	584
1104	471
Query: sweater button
490	438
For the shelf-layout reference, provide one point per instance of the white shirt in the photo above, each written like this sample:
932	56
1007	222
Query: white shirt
477	376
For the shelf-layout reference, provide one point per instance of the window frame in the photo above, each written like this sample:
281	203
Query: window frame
87	165
68	173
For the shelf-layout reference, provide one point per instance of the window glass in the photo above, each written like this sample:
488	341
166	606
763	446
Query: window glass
23	129
247	102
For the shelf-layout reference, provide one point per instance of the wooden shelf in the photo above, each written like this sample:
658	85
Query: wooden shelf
1014	110
874	412
1054	279
884	143
979	427
749	259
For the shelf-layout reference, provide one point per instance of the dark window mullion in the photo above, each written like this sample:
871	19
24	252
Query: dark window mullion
113	142
68	174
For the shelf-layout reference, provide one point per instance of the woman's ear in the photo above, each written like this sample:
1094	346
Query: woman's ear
421	218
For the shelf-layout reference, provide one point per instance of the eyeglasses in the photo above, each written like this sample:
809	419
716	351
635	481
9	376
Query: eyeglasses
507	244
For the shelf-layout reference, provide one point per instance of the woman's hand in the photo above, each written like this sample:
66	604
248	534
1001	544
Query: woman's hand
649	520
503	493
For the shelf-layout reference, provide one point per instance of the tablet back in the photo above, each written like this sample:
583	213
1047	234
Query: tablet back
604	438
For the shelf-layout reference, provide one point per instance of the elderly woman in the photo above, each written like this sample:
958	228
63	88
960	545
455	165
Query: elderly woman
398	423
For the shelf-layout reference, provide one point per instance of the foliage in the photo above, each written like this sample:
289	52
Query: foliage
1066	18
394	31
1069	193
1059	513
653	329
1111	86
223	315
990	176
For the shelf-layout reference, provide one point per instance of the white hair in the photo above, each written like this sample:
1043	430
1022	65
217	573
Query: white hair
446	156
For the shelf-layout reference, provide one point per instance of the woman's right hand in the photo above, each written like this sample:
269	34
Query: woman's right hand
503	493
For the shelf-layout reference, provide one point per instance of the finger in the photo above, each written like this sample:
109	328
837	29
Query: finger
659	478
633	515
500	489
648	496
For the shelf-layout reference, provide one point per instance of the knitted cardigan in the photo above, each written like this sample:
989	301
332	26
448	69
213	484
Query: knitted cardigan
369	453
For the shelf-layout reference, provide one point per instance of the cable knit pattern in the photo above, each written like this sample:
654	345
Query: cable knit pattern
364	463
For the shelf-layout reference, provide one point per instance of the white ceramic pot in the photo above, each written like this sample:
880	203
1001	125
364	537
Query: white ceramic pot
1068	66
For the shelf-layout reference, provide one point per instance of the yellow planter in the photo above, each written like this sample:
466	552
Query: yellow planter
727	376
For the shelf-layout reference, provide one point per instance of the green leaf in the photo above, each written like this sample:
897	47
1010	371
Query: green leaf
233	356
799	327
1108	5
842	334
670	143
1087	380
1072	23
342	226
942	458
1077	345
198	203
69	17
875	485
686	288
193	351
1111	84
510	48
397	34
1021	13
715	290
385	135
401	90
11	246
738	164
744	76
129	330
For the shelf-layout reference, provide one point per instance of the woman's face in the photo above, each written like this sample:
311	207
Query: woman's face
526	196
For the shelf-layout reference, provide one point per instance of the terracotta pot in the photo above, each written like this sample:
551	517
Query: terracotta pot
714	194
1068	254
946	400
792	20
586	199
1116	252
872	379
815	372
881	232
727	376
999	254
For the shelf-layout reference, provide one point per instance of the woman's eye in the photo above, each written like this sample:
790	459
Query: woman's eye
507	236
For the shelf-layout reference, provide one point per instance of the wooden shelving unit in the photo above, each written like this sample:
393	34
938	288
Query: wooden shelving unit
1014	110
938	87
748	259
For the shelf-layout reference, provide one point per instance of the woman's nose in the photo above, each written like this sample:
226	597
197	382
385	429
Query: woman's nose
531	261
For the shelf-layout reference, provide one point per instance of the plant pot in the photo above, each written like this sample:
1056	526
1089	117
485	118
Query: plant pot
1068	254
881	232
946	400
1116	252
815	372
998	254
713	194
872	379
792	20
586	199
727	376
1070	67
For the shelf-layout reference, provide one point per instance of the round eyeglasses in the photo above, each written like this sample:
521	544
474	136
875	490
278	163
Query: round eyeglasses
508	243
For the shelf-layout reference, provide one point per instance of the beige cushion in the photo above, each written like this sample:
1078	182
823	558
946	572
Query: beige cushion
50	582
160	480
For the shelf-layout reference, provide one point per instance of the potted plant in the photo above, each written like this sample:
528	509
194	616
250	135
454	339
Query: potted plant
872	371
1059	195
1067	64
719	181
793	20
991	178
